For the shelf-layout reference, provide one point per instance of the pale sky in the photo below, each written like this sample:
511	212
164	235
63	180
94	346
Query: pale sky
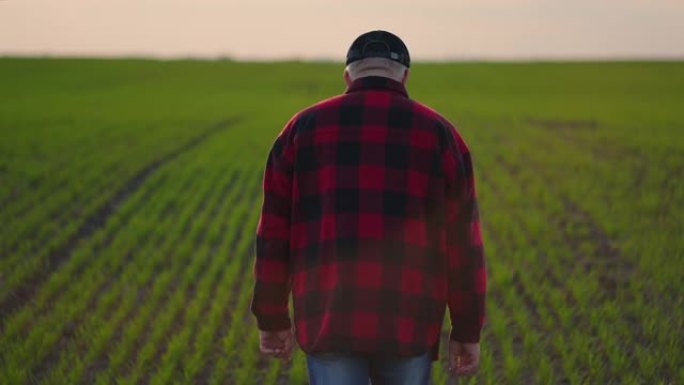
307	29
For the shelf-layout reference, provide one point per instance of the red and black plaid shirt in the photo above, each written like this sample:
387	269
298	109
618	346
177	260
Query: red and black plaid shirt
370	219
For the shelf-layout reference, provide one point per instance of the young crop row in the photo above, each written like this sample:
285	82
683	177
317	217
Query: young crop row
580	204
635	289
559	289
47	213
72	328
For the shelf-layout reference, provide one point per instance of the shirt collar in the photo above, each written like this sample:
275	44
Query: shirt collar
377	83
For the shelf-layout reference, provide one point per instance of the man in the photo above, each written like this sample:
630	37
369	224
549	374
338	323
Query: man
370	220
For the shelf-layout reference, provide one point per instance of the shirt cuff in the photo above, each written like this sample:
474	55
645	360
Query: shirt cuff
464	335
274	323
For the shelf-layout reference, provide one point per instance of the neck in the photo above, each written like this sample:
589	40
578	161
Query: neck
372	72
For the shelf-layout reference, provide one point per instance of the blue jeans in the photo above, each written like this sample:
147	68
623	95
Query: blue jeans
344	369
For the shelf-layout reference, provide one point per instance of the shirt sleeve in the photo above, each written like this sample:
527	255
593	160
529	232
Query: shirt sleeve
467	279
271	269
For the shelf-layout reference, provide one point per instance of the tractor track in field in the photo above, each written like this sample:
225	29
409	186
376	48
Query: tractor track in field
80	269
563	126
615	270
105	243
599	240
531	305
101	361
127	257
68	337
610	259
15	194
605	257
96	220
637	159
601	248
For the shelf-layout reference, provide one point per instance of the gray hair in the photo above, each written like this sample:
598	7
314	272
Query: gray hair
376	66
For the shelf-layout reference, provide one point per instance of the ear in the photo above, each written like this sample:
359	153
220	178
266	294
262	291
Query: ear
406	74
347	78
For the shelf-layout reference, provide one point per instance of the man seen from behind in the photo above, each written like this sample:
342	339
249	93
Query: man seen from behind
370	222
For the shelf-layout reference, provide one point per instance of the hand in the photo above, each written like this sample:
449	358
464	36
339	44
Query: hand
464	358
277	344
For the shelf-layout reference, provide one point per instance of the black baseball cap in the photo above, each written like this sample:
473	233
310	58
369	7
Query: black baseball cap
379	44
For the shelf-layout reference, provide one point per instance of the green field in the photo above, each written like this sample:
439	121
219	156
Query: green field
130	192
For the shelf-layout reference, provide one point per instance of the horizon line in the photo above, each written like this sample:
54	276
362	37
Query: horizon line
297	59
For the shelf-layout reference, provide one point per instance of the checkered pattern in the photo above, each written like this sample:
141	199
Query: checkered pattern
370	220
